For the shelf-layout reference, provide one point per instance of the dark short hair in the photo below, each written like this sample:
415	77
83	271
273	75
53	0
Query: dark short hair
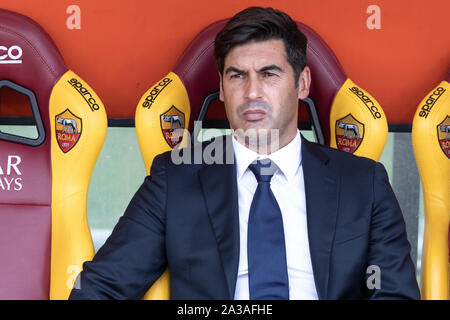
260	24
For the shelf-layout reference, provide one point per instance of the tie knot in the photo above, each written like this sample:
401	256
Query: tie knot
263	169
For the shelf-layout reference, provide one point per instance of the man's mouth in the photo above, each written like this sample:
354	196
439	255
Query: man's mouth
254	115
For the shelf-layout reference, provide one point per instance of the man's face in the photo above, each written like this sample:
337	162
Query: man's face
258	89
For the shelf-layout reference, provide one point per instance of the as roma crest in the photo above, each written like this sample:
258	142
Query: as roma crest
171	120
68	130
349	133
443	131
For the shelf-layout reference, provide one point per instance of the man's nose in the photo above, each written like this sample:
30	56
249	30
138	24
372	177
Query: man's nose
253	88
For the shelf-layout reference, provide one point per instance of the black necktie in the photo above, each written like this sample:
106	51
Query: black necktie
266	250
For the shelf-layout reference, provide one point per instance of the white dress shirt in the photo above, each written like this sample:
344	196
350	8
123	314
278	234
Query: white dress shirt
288	187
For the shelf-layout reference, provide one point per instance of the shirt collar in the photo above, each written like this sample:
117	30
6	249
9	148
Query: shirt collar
288	158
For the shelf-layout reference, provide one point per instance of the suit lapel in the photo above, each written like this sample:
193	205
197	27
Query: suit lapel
322	184
219	186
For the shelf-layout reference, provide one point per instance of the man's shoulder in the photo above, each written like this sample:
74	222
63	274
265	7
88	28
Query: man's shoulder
195	155
341	158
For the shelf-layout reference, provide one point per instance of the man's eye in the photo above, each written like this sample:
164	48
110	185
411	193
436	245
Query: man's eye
269	74
236	76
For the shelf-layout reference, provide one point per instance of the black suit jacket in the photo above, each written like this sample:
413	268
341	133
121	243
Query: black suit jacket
185	217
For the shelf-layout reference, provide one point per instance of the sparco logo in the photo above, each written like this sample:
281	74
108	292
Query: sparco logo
87	96
429	103
11	54
155	92
367	101
9	174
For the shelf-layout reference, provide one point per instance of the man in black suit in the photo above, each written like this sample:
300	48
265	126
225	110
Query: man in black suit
284	219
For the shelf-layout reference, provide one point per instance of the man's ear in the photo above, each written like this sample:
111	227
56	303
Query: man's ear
304	83
220	87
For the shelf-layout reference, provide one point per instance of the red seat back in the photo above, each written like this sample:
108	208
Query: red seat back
32	62
44	234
